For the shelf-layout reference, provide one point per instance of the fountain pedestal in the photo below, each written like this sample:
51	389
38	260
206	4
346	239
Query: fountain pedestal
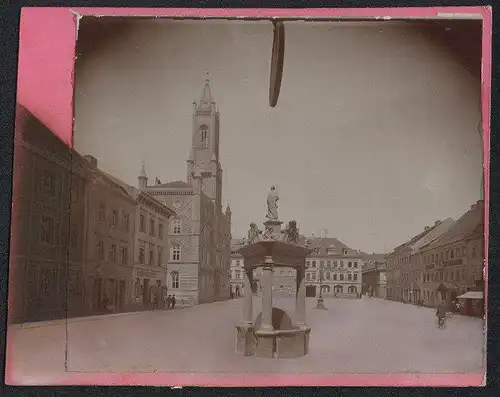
273	334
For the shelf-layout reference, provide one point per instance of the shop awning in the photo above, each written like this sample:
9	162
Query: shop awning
472	295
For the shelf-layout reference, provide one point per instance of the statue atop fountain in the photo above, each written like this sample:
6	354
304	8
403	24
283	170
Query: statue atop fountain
273	334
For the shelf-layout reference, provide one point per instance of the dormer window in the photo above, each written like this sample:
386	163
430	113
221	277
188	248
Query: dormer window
204	136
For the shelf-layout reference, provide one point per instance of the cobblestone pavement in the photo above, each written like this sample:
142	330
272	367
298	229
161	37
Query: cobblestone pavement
352	336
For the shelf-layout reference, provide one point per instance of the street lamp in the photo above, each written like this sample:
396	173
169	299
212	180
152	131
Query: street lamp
320	303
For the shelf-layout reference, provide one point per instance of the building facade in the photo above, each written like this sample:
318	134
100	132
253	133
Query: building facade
109	239
402	263
374	275
48	213
453	264
200	234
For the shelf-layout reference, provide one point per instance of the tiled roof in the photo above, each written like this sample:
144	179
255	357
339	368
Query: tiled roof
463	227
172	185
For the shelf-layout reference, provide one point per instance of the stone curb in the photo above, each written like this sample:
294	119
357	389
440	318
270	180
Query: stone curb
41	324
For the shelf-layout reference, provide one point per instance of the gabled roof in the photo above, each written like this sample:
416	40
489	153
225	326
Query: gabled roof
172	185
326	244
134	192
469	223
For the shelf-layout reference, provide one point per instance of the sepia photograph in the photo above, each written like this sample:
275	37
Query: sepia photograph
243	196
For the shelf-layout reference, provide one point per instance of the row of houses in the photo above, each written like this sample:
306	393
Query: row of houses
333	268
441	265
83	242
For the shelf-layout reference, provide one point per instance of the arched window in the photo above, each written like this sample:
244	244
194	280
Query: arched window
352	289
176	252
175	279
176	226
325	288
338	289
204	136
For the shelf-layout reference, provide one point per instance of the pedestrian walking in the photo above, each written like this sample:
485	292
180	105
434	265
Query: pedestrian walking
173	301
155	302
169	302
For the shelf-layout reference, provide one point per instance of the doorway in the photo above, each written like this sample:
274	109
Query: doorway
310	291
146	293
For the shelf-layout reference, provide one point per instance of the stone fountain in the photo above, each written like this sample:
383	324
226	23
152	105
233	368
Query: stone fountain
273	334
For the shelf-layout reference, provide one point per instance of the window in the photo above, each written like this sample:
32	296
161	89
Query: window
102	212
451	254
152	227
175	279
335	263
114	218
142	223
352	289
308	276
238	263
321	263
341	277
100	250
176	252
282	272
47	230
328	276
464	251
75	190
160	231
49	183
307	264
335	276
441	255
473	252
349	264
313	275
355	276
112	253
349	276
204	136
160	258
341	263
328	264
313	263
137	289
141	255
126	221
176	226
457	252
338	289
73	235
355	264
124	255
151	258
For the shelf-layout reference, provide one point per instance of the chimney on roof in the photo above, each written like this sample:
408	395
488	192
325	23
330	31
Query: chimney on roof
427	228
91	159
437	223
473	207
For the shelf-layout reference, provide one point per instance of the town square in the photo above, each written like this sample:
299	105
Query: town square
259	232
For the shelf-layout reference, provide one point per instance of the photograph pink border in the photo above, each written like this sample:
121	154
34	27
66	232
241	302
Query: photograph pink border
45	88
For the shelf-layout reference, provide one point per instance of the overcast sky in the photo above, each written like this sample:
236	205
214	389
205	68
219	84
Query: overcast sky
375	134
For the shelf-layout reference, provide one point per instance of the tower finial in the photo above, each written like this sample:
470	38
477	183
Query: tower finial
206	97
143	170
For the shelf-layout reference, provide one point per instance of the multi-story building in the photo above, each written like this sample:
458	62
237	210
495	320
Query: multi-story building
453	263
200	234
131	231
334	268
109	240
374	275
401	263
48	213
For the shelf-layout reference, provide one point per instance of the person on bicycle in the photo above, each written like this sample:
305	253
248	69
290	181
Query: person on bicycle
441	314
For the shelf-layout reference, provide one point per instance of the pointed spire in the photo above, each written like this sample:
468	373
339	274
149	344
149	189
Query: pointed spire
228	210
206	97
143	170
